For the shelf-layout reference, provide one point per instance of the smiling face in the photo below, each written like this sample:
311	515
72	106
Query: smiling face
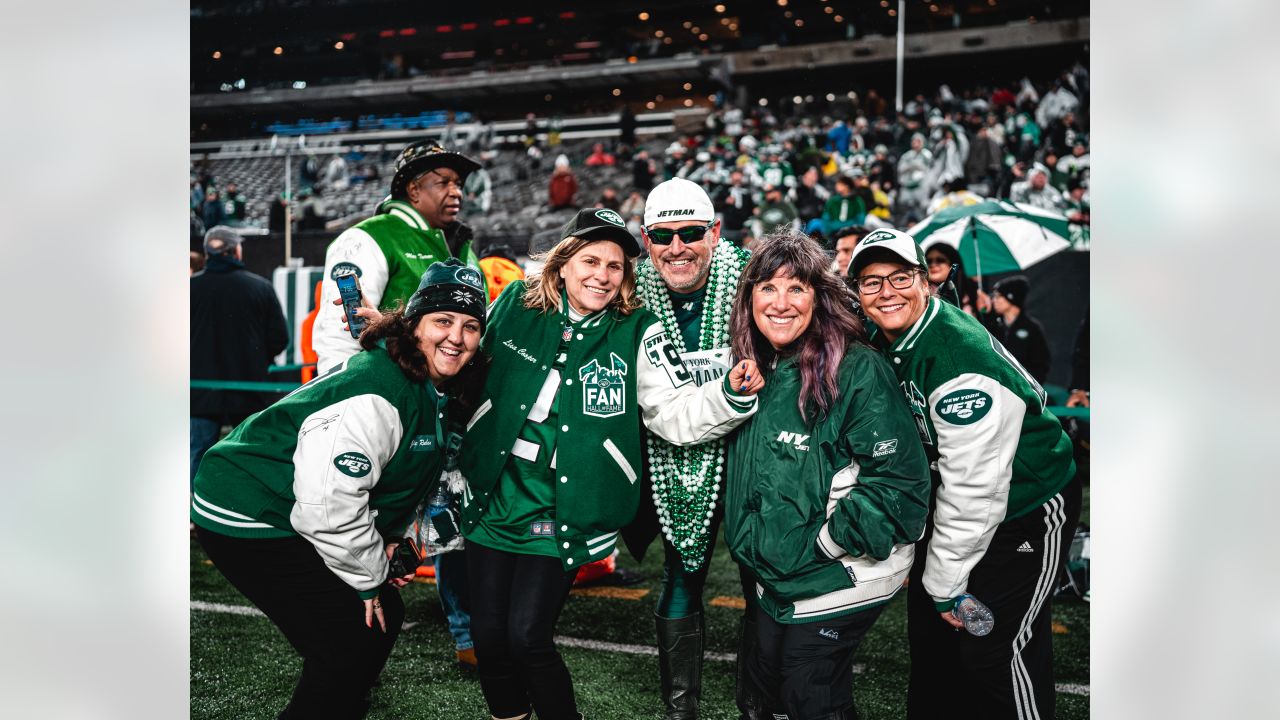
939	266
593	276
891	309
448	340
437	195
782	308
684	267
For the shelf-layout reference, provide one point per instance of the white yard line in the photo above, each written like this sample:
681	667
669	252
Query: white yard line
1066	688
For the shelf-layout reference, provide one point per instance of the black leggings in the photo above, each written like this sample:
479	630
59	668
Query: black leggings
320	615
515	603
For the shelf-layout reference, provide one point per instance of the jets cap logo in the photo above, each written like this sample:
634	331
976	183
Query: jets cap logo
878	236
610	217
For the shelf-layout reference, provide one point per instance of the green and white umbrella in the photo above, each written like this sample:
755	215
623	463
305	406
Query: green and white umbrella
995	236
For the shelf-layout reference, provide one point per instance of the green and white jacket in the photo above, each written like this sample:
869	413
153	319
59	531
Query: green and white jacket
342	461
389	252
620	370
825	513
999	452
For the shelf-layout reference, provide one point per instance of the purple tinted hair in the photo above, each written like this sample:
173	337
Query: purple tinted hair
821	347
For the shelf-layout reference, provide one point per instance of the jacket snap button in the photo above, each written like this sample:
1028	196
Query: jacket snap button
579	336
566	546
568	382
564	528
564	428
564	478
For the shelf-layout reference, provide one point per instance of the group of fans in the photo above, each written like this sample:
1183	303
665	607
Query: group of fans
848	424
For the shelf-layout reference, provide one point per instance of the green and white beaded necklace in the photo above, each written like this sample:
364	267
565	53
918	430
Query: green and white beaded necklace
686	480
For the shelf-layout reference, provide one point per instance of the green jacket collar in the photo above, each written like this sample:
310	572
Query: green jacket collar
907	341
405	212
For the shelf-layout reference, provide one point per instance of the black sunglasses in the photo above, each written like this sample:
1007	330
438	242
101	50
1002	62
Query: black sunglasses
664	236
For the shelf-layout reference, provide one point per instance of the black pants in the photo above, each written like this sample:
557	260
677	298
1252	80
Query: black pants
515	603
320	615
1009	672
806	669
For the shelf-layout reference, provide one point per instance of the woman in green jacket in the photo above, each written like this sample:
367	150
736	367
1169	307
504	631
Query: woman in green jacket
828	483
301	506
552	455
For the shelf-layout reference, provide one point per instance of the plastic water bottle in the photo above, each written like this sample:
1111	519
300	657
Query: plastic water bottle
977	617
442	521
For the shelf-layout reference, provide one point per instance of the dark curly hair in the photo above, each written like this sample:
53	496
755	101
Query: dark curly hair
820	349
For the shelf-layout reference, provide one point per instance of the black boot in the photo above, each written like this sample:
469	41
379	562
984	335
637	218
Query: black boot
750	704
680	665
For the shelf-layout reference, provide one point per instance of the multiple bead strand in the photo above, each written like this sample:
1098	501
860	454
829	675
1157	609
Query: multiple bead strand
687	480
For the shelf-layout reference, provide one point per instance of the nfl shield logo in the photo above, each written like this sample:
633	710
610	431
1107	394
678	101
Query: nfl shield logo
568	332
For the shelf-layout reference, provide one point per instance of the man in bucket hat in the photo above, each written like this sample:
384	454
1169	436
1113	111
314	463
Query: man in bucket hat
415	226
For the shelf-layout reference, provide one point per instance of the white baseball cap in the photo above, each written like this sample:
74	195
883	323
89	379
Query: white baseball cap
899	243
676	200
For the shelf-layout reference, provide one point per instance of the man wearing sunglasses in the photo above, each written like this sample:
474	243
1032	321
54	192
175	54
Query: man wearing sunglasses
689	281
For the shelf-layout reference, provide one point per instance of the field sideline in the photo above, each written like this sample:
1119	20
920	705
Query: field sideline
241	667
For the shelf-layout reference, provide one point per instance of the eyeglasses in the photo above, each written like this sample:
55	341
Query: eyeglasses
871	284
664	236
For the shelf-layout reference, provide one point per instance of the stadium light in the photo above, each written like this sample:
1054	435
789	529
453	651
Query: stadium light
686	24
217	55
617	92
643	16
782	3
650	105
688	102
688	86
799	22
764	102
838	18
703	37
797	100
278	51
828	10
831	96
338	45
719	8
658	33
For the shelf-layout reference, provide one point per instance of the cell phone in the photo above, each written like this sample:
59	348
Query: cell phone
349	290
406	559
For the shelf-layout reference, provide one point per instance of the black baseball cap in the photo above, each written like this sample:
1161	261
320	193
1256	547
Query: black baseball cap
602	224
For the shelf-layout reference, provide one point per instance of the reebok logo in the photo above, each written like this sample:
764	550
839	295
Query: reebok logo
669	213
1025	547
829	633
885	447
794	439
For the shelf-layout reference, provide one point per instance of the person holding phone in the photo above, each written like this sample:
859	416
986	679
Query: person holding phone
302	505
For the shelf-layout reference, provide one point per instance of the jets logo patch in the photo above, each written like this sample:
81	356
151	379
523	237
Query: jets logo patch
963	407
610	217
353	463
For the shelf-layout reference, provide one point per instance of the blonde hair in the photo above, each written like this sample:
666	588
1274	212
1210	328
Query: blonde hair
542	291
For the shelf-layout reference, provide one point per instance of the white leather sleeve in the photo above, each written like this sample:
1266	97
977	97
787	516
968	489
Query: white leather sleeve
354	247
673	406
331	485
976	464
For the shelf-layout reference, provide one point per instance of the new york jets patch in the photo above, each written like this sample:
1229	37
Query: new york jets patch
422	443
885	447
963	407
610	217
344	268
353	463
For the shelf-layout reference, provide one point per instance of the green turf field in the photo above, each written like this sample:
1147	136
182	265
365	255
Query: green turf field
241	667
